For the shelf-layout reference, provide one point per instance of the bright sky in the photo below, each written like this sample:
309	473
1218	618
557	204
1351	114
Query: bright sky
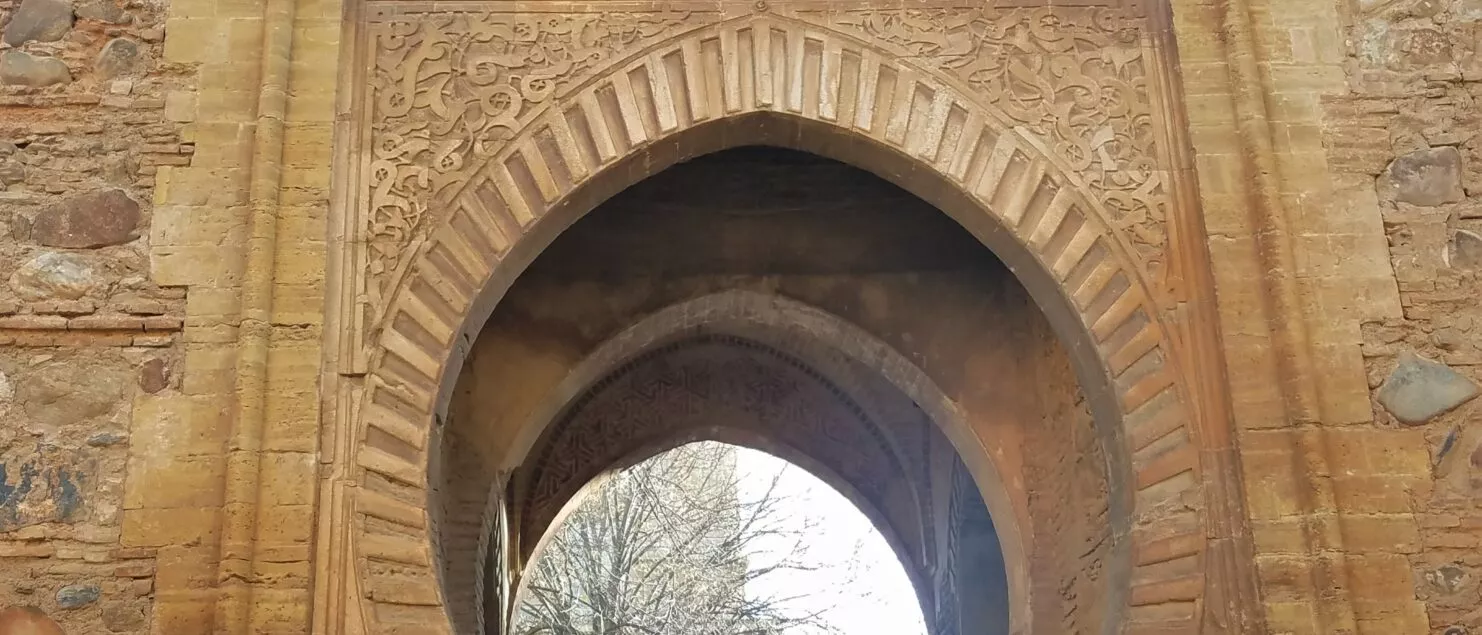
861	592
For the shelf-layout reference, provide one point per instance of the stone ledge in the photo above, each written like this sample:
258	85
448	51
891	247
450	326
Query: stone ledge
94	322
34	338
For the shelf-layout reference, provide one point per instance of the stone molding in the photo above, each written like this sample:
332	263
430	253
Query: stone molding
676	84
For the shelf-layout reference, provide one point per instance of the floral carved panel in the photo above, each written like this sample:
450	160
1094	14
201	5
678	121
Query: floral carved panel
446	87
1073	76
444	91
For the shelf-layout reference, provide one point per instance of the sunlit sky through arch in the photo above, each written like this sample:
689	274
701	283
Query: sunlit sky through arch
855	582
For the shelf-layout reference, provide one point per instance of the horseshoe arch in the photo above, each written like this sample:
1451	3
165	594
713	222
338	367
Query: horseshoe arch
776	79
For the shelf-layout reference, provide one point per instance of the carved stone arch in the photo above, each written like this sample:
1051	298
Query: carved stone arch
774	79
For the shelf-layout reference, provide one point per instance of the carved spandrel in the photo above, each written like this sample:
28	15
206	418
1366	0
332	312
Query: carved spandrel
450	86
447	90
1073	75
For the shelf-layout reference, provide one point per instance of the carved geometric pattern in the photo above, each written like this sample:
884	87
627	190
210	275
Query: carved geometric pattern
656	91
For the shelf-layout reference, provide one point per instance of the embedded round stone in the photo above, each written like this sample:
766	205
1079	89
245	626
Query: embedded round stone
18	68
1466	250
119	56
39	20
154	375
76	596
95	219
1420	390
54	275
1424	178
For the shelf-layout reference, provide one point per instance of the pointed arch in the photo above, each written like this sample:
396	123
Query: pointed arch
768	79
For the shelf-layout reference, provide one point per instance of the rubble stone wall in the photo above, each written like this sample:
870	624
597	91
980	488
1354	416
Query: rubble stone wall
89	339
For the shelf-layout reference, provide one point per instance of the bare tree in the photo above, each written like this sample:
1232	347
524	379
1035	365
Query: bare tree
670	547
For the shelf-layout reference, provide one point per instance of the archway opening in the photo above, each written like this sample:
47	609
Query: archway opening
710	537
727	295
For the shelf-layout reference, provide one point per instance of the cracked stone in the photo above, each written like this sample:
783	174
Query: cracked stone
1424	178
120	56
95	219
1420	390
76	596
19	68
39	20
54	275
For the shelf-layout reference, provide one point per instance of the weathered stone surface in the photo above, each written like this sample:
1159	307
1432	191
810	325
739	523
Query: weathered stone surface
95	219
154	375
1424	178
19	68
52	395
1420	390
121	617
120	56
39	20
12	172
7	393
76	596
54	275
102	11
26	620
1447	579
1466	250
42	484
1423	47
106	439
